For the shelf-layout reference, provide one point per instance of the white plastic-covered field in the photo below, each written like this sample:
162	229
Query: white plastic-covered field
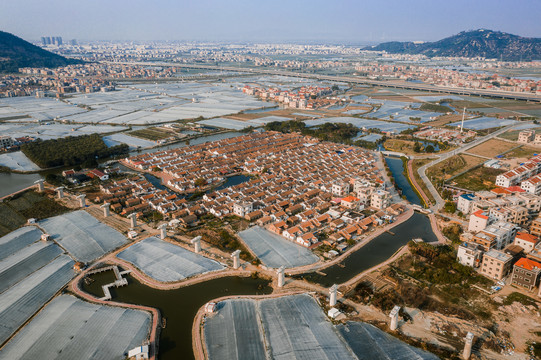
21	300
132	142
17	161
166	262
82	235
69	328
295	327
274	250
18	239
46	131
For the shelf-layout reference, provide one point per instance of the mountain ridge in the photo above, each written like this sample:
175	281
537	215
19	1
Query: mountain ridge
471	44
16	53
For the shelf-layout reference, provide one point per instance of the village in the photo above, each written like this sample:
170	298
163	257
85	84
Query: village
288	192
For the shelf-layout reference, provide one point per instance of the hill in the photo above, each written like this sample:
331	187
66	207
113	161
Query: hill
16	53
477	43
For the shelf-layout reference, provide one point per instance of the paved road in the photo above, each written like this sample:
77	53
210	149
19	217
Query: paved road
422	170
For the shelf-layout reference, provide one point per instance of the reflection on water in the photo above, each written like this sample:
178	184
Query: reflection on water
178	306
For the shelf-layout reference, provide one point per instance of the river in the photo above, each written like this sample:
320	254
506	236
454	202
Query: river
178	306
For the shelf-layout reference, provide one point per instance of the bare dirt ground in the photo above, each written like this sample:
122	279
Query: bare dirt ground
492	147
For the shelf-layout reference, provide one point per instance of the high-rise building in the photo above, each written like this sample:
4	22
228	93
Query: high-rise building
43	40
59	40
73	42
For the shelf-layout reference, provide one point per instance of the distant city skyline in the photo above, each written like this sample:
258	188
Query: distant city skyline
345	21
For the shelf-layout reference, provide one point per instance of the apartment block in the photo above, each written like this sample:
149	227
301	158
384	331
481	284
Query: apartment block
496	264
526	273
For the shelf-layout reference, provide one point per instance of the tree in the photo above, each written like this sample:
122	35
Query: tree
429	149
417	147
200	182
450	207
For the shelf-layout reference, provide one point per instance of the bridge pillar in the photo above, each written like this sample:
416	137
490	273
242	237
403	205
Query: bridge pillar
163	231
60	192
40	185
236	259
82	200
332	295
467	346
133	220
105	208
196	241
281	276
394	318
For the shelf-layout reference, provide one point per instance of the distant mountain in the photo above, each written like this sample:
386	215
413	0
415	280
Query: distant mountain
477	43
16	53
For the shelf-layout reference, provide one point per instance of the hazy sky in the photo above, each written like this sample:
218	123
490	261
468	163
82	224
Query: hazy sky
349	21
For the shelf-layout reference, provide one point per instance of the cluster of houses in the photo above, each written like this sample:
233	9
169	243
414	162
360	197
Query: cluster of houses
503	235
138	196
307	97
529	137
309	192
525	175
78	177
441	134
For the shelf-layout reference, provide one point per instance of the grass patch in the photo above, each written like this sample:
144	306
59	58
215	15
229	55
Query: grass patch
478	179
523	152
520	298
151	133
452	166
15	211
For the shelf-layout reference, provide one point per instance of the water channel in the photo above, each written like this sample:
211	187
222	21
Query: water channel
178	306
396	166
375	252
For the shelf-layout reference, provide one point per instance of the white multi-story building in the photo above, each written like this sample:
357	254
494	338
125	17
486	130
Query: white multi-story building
6	142
532	185
478	221
242	208
464	203
503	232
470	254
526	241
380	199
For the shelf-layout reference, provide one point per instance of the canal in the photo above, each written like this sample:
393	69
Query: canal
375	252
396	166
178	306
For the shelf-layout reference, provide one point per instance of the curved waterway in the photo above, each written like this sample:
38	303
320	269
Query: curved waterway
375	252
178	306
397	168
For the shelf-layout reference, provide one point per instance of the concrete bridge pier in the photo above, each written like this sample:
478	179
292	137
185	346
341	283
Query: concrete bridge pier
106	212
332	295
394	317
196	241
133	220
163	231
467	346
236	259
82	200
281	276
60	192
40	185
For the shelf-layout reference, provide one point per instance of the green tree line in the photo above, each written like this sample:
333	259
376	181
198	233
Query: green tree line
69	151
